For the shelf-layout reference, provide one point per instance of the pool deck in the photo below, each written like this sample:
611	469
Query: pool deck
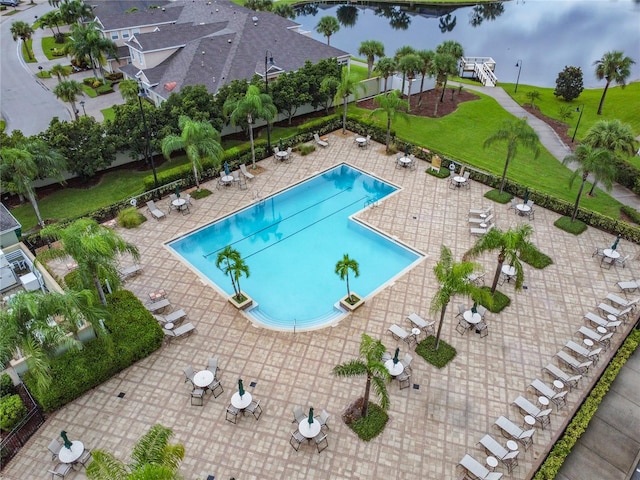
430	428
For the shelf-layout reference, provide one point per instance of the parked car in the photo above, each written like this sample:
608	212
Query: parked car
9	3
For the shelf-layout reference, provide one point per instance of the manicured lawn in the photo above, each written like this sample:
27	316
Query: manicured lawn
90	92
49	44
108	113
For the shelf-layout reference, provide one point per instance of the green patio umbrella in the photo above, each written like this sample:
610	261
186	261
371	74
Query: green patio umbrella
280	144
474	309
177	191
615	244
395	357
526	196
310	415
67	443
240	387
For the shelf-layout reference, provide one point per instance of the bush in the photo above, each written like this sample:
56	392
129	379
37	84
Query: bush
576	227
442	173
306	149
438	358
104	89
89	81
12	411
202	193
114	77
130	218
372	425
500	300
632	213
534	257
498	197
6	385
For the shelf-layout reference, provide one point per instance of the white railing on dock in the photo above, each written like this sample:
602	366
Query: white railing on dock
482	68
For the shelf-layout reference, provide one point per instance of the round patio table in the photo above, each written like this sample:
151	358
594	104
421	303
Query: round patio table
70	455
394	369
309	430
203	379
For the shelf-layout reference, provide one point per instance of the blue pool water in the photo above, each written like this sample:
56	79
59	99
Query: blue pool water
291	243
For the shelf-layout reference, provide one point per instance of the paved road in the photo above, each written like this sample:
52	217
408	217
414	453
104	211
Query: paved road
25	103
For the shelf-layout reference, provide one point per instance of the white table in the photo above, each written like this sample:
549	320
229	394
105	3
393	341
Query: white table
394	369
483	225
588	342
512	445
404	161
529	420
509	272
309	430
601	330
415	332
608	252
282	155
203	379
179	203
168	326
544	401
558	385
241	402
523	209
70	455
492	462
472	318
459	181
362	142
227	179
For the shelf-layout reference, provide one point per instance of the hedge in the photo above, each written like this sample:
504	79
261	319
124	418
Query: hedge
133	333
12	411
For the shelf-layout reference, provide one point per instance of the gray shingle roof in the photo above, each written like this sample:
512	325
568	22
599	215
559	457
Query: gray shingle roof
170	36
112	13
8	223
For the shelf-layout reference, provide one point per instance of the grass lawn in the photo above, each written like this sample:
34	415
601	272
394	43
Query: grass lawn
28	45
108	113
48	46
90	92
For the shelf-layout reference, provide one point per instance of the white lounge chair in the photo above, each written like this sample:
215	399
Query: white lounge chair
185	329
401	334
129	271
604	340
481	231
247	175
525	437
559	398
541	416
155	211
570	381
601	322
481	211
580	367
157	306
421	323
478	470
628	286
319	141
173	317
593	355
508	458
478	220
620	314
621	302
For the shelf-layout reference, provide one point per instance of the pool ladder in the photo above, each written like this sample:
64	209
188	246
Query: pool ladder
257	199
371	201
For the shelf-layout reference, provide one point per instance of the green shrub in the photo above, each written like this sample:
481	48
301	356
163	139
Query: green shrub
43	74
306	149
442	173
534	257
498	197
632	213
576	227
6	385
89	81
130	218
438	358
202	193
372	425
114	77
104	89
500	300
12	411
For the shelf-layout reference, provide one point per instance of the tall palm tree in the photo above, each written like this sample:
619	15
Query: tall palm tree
60	71
88	44
27	328
52	19
231	263
613	67
153	457
514	132
402	52
385	67
252	106
442	66
95	248
426	68
392	105
198	140
455	51
453	280
348	85
343	267
370	49
327	26
410	65
369	364
509	244
68	91
72	11
129	89
597	161
23	31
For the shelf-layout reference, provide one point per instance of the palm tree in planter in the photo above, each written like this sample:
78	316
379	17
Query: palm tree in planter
369	364
453	278
231	263
343	267
509	245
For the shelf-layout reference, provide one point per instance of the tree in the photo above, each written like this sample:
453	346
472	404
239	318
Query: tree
199	105
72	11
348	85
426	68
95	248
369	364
569	83
152	458
509	244
259	5
68	91
410	65
385	67
252	106
129	89
455	51
290	92
342	270
23	31
327	92
612	67
231	263
453	279
27	327
442	65
371	49
515	133
52	19
198	140
327	26
88	44
533	95
597	161
392	105
403	52
60	71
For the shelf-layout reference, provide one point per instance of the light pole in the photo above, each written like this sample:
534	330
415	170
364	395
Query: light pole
578	109
519	65
268	60
84	112
147	150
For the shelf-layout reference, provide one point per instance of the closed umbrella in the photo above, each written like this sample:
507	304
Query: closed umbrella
310	415
474	309
240	388
177	191
226	168
526	196
615	244
67	443
406	150
395	357
280	145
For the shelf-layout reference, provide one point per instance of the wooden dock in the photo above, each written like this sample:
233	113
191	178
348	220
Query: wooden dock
479	68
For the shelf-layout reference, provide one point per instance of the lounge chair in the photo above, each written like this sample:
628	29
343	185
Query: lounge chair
629	286
528	408
400	334
570	381
559	398
481	231
421	323
621	302
604	340
319	141
185	329
129	271
155	211
247	175
508	458
510	429
478	220
580	367
593	355
481	211
157	306
598	321
609	310
477	470
176	316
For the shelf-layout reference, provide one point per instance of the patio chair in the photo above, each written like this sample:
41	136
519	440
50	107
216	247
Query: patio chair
481	310
189	373
579	367
461	309
356	136
60	470
85	457
462	326
593	355
184	330
157	306
570	381
510	429
368	140
628	286
622	260
197	397
187	198
212	366
604	340
400	334
298	414
254	409
607	262
475	469
322	419
171	206
154	211
296	439
621	302
319	141
322	441
386	356
512	205
598	321
531	214
483	329
175	317
559	398
232	414
216	386
54	447
245	173
508	458
530	204
528	408
289	154
130	271
406	361
599	252
466	182
404	380
421	323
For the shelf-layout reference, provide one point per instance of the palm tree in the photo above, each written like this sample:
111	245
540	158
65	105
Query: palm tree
327	26
453	280
392	105
129	89
348	85
410	65
252	106
88	44
533	95
231	263
198	140
597	161
23	31
613	135
73	10
509	245
152	458
514	132
385	67
68	91
52	19
442	65
426	68
26	328
59	71
369	364
371	49
612	67
342	270
455	51
402	52
95	248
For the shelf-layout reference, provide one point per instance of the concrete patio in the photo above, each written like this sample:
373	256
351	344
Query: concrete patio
430	428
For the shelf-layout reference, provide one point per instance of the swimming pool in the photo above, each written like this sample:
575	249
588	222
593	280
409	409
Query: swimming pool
291	242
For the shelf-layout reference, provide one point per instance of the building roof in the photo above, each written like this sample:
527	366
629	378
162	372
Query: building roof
118	14
8	222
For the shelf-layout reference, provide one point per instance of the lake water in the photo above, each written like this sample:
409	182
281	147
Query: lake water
545	35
